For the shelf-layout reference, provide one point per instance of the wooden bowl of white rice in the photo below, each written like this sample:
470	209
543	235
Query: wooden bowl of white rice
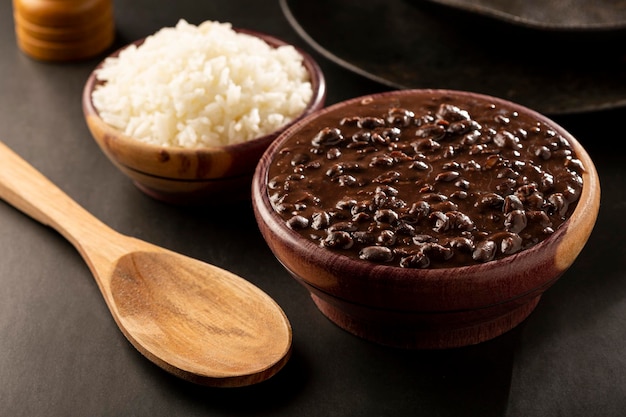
187	112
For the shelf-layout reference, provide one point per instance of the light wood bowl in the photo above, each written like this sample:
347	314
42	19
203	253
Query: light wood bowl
185	176
426	308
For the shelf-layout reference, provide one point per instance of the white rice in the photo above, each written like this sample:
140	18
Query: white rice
200	86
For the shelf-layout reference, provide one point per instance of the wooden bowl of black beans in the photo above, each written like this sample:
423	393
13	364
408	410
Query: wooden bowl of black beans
426	218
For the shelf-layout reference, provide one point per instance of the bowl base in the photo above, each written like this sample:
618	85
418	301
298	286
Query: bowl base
200	194
430	330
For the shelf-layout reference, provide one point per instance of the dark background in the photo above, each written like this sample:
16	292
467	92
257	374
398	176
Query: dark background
61	354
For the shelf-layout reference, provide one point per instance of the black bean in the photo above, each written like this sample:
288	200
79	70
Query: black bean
362	136
300	158
507	186
543	152
492	161
360	207
444	206
470	138
418	260
391	134
448	151
400	117
489	200
515	221
298	222
389	177
462	183
450	166
419	209
506	139
399	156
547	181
441	222
313	165
502	119
423	145
364	238
447	176
437	251
382	161
540	217
386	238
485	251
419	165
349	121
284	208
342	227
471	165
461	243
335	170
386	216
425	188
338	240
387	189
333	153
460	221
507	172
558	204
370	122
376	254
347	180
327	137
511	244
363	147
575	165
434	197
512	202
477	149
562	154
526	190
421	238
459	195
452	113
345	203
276	182
431	132
534	201
295	177
572	192
459	127
361	217
380	139
405	229
320	220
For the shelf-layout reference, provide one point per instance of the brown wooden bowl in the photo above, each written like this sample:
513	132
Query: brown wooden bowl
187	176
425	308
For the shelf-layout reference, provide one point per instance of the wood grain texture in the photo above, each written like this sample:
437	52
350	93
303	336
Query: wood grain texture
194	320
62	13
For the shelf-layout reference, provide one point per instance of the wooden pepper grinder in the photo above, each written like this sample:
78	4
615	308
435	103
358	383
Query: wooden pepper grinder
63	30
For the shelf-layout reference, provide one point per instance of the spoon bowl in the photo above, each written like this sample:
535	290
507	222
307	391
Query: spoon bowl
195	320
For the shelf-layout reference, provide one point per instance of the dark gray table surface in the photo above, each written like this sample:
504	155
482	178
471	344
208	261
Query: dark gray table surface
61	354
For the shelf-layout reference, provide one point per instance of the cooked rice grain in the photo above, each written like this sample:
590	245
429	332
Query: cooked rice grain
200	86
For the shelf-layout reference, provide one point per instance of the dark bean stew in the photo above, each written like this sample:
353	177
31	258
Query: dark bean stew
427	182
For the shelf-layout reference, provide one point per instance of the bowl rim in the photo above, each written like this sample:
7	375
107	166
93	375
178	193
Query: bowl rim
151	150
580	222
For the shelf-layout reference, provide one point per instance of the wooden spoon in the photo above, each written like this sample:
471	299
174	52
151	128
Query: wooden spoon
195	320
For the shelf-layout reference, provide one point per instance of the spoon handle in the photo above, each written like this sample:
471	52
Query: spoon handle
25	188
